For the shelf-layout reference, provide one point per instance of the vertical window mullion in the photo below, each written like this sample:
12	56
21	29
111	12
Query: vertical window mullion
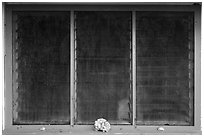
72	69
134	66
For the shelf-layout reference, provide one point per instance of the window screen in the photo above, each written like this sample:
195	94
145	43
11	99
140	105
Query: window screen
41	68
103	71
103	52
164	68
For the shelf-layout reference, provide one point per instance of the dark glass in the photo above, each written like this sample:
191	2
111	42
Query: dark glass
103	66
165	50
42	55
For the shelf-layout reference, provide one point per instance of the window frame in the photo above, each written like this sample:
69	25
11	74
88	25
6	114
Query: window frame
9	8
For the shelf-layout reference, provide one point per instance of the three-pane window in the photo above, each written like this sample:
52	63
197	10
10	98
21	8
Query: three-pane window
103	67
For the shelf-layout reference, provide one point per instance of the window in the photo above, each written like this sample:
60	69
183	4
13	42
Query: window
103	66
165	58
41	68
135	65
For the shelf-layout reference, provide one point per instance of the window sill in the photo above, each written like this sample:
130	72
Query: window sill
88	129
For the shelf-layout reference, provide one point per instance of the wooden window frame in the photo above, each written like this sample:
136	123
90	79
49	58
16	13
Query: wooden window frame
9	8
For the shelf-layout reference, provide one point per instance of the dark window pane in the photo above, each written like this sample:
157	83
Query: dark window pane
164	68
41	68
103	66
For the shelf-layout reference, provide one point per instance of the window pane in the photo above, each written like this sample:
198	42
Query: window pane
103	66
41	68
164	68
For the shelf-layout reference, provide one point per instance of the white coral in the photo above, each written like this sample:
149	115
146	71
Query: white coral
102	125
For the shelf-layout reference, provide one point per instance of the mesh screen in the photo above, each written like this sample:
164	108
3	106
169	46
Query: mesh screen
41	68
103	66
164	68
